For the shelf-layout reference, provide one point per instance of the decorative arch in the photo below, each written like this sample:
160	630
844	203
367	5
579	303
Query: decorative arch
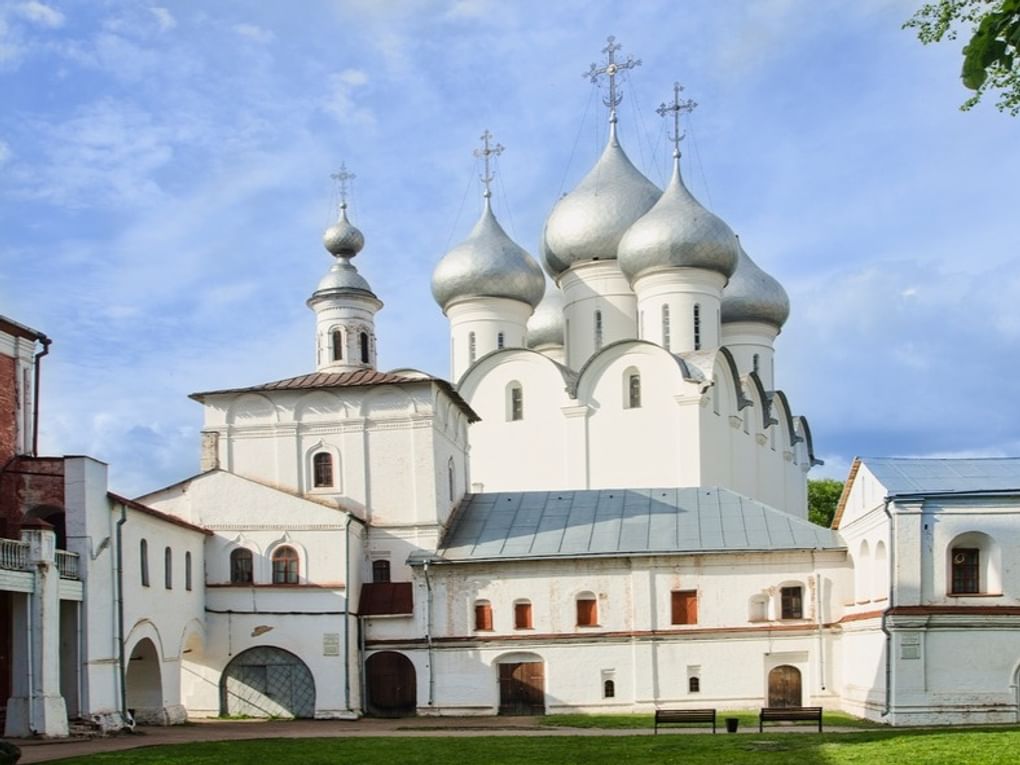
287	542
144	629
973	564
862	572
764	398
252	408
310	456
809	443
267	681
473	375
881	577
320	406
389	400
780	401
730	365
143	683
594	368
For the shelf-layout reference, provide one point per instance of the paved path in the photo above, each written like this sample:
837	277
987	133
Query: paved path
229	730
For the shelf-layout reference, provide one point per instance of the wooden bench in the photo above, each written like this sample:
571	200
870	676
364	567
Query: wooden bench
664	716
790	714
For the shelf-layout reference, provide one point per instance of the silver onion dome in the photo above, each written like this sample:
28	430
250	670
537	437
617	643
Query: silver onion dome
342	276
753	295
343	237
678	232
545	327
488	264
587	223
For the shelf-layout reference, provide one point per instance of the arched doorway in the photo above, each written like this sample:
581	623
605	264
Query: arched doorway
392	684
143	684
784	687
521	684
267	682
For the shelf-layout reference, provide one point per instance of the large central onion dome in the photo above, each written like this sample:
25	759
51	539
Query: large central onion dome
587	223
488	264
753	295
678	232
545	327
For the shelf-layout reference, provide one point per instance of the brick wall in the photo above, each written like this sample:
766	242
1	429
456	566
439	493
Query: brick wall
8	407
27	483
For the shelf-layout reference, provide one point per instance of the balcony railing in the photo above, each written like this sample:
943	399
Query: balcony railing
67	564
13	555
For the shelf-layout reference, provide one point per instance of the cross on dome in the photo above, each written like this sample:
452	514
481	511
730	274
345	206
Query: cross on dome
610	69
676	108
484	153
342	177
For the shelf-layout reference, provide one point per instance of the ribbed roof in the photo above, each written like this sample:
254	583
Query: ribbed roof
612	522
917	475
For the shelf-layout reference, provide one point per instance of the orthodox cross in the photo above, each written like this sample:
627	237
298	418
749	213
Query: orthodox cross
341	179
676	107
484	154
610	69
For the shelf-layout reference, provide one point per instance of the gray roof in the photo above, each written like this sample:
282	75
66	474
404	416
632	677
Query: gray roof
612	522
909	475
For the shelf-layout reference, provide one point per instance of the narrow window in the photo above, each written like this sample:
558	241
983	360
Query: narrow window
522	615
598	330
516	402
451	484
608	689
168	568
665	327
338	345
966	574
641	325
380	571
792	602
684	606
285	566
697	327
472	348
634	391
587	612
241	566
363	337
499	341
143	559
187	571
756	362
322	470
483	616
693	684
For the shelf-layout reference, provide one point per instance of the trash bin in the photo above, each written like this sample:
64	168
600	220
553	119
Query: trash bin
731	724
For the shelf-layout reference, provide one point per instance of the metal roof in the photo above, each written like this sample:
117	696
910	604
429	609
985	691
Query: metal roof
915	475
608	522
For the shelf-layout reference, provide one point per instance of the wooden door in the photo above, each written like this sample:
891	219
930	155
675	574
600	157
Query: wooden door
784	687
392	689
522	688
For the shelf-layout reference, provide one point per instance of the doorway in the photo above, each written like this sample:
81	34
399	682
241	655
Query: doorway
784	687
392	684
522	688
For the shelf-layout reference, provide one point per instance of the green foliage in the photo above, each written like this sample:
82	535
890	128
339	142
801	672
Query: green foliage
991	58
822	498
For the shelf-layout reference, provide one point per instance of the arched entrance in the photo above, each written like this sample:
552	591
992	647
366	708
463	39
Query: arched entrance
392	685
267	682
144	684
784	687
521	684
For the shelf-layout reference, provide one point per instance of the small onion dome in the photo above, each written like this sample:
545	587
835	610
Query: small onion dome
545	327
343	237
343	276
678	233
488	264
753	295
587	223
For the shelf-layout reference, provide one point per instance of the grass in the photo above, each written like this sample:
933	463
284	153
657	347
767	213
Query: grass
748	719
931	747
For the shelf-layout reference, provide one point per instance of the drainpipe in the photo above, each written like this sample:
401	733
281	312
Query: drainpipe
35	396
31	667
428	632
819	619
121	658
347	613
885	614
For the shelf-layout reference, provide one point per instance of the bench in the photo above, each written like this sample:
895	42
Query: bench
790	714
664	716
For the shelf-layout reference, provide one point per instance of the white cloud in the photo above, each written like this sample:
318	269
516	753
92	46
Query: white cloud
341	101
164	18
470	9
40	13
5	151
254	33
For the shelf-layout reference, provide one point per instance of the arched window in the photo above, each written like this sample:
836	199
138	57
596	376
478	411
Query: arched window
598	330
143	561
187	571
881	579
499	341
338	344
168	568
380	571
522	615
694	685
450	476
665	327
974	565
363	338
483	616
322	470
285	565
697	327
641	325
587	611
515	404
634	390
240	566
608	689
472	348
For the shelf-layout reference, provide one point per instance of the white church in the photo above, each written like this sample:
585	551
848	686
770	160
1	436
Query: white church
602	510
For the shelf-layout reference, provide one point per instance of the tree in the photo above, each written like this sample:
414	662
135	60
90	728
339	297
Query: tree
822	497
991	59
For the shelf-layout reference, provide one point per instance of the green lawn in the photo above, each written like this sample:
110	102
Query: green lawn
866	747
748	718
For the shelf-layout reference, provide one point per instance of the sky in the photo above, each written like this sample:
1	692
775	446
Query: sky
165	181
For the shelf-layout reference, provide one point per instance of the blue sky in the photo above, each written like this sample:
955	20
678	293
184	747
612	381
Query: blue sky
164	182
